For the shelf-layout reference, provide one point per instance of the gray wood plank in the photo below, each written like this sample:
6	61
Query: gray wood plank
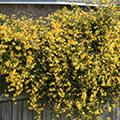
33	112
48	111
75	115
51	111
17	111
6	111
54	114
115	113
14	111
118	112
27	114
105	114
21	97
20	109
9	111
71	118
25	110
45	110
40	102
111	113
0	84
0	111
63	116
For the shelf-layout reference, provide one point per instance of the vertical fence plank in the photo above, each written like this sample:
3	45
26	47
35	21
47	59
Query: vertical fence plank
73	116
20	109
118	112
14	111
30	114
41	102
9	111
25	110
6	110
63	116
53	113
105	114
0	84
48	111
17	111
0	111
114	113
27	114
33	114
45	110
110	115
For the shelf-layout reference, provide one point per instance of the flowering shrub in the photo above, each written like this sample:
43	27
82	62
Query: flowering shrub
74	60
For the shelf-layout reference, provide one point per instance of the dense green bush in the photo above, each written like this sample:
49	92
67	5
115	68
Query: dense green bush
74	60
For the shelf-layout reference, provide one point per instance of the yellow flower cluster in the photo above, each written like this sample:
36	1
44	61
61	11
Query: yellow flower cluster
74	60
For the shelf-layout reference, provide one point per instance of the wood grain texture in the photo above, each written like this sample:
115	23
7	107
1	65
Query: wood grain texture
6	111
14	112
118	112
21	97
27	114
0	111
9	111
53	114
63	116
20	109
0	84
45	110
33	114
17	110
48	111
40	102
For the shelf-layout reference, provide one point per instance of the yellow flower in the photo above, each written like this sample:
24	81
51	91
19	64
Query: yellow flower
79	106
13	99
97	112
7	63
18	47
109	109
6	95
108	118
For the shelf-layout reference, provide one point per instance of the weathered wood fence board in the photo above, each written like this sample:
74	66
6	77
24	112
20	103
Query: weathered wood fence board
6	110
0	111
10	111
114	114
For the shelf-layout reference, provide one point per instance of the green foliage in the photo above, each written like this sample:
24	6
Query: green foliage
74	60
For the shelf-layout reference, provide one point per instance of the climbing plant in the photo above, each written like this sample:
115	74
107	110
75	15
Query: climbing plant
74	60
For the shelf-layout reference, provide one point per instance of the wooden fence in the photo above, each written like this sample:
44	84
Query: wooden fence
10	111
